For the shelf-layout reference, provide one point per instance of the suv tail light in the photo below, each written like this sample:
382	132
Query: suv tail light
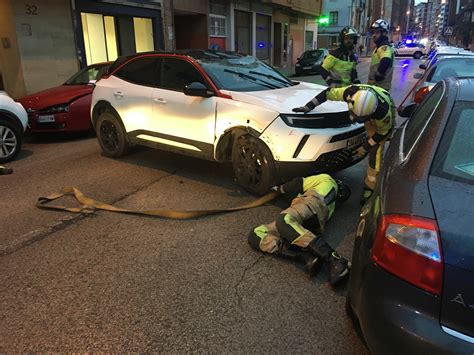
409	247
420	94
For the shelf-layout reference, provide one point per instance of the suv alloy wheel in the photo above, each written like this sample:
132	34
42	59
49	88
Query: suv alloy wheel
10	140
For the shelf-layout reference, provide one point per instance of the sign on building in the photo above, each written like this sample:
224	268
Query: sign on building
448	31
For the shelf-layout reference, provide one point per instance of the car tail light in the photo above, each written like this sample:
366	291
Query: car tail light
409	247
420	94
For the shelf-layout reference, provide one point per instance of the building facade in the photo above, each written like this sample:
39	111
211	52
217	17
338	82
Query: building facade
339	13
44	43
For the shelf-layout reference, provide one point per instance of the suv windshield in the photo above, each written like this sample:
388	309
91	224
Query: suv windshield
93	72
243	74
454	159
455	67
312	54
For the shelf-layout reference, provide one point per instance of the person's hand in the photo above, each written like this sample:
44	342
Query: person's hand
303	109
360	152
378	76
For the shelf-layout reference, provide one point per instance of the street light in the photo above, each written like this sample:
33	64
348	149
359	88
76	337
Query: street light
408	21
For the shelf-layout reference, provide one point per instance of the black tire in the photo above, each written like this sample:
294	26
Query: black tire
10	140
253	163
111	135
417	55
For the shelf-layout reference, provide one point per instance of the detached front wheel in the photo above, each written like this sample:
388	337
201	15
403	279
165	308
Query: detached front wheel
111	135
253	164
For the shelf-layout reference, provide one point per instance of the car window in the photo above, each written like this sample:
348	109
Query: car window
243	73
456	67
312	54
141	71
420	119
176	73
454	158
85	75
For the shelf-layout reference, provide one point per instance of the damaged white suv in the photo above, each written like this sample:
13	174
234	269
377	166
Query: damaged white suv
223	107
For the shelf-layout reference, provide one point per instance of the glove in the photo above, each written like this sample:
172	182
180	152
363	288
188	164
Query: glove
303	109
378	76
360	153
356	81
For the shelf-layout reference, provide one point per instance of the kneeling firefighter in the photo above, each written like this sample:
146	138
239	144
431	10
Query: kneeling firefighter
371	105
339	67
314	199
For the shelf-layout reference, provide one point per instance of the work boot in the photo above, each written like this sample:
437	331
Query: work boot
338	268
312	263
5	171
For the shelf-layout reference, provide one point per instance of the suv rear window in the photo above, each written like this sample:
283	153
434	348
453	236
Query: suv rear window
454	158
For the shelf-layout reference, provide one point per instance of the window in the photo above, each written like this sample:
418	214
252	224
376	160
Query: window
141	71
93	72
456	67
333	17
454	159
176	73
218	26
420	118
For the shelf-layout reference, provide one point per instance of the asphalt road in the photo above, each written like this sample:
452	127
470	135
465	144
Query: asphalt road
112	282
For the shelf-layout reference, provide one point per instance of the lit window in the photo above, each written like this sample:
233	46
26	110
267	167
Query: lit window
217	26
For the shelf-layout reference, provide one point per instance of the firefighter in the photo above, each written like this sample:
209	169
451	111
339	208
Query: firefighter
5	171
381	65
372	106
313	200
339	67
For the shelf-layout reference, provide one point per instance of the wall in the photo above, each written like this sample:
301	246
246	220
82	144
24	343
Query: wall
10	64
297	39
46	42
310	7
199	6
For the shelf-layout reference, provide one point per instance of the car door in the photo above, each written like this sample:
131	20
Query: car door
132	91
179	120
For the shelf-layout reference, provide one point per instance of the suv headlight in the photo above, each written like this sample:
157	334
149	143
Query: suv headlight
318	120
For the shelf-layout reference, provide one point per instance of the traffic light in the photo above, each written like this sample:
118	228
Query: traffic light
323	20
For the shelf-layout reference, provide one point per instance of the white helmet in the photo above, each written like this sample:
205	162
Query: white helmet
380	25
362	104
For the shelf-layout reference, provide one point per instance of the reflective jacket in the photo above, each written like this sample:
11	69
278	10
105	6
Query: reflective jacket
339	68
380	74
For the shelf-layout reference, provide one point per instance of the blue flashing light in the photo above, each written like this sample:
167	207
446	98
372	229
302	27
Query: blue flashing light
261	45
408	41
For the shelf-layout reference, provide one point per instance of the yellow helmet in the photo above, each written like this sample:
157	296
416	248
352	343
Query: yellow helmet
362	104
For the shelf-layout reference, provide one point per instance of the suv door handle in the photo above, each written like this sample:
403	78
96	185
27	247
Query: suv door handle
159	100
118	94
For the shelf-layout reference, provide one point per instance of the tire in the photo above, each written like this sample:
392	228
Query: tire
253	164
111	135
417	55
10	140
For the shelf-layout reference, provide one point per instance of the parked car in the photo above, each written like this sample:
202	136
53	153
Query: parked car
310	62
411	288
442	52
223	107
13	122
442	68
65	108
415	50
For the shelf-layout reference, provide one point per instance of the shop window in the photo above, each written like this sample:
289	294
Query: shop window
333	17
143	28
217	26
94	38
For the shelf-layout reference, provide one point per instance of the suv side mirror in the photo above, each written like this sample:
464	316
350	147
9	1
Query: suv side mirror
422	66
197	89
407	111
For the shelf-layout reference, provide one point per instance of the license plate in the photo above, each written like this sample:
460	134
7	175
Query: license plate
46	118
306	68
356	141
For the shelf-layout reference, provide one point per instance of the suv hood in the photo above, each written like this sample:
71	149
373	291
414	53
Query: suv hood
55	96
285	99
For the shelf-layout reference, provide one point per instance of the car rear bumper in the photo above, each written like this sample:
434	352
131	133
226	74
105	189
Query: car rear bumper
397	317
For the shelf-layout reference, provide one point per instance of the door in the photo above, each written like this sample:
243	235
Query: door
183	121
132	88
277	44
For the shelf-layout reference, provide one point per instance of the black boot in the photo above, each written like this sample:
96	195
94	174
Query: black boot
312	263
338	268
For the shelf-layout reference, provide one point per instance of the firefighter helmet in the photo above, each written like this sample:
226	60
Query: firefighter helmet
380	25
348	31
362	104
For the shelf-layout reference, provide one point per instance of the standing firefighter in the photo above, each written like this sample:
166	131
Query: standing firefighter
315	200
381	65
339	67
372	106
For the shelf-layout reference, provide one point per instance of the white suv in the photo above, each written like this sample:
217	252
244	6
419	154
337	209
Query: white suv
223	107
13	122
415	50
